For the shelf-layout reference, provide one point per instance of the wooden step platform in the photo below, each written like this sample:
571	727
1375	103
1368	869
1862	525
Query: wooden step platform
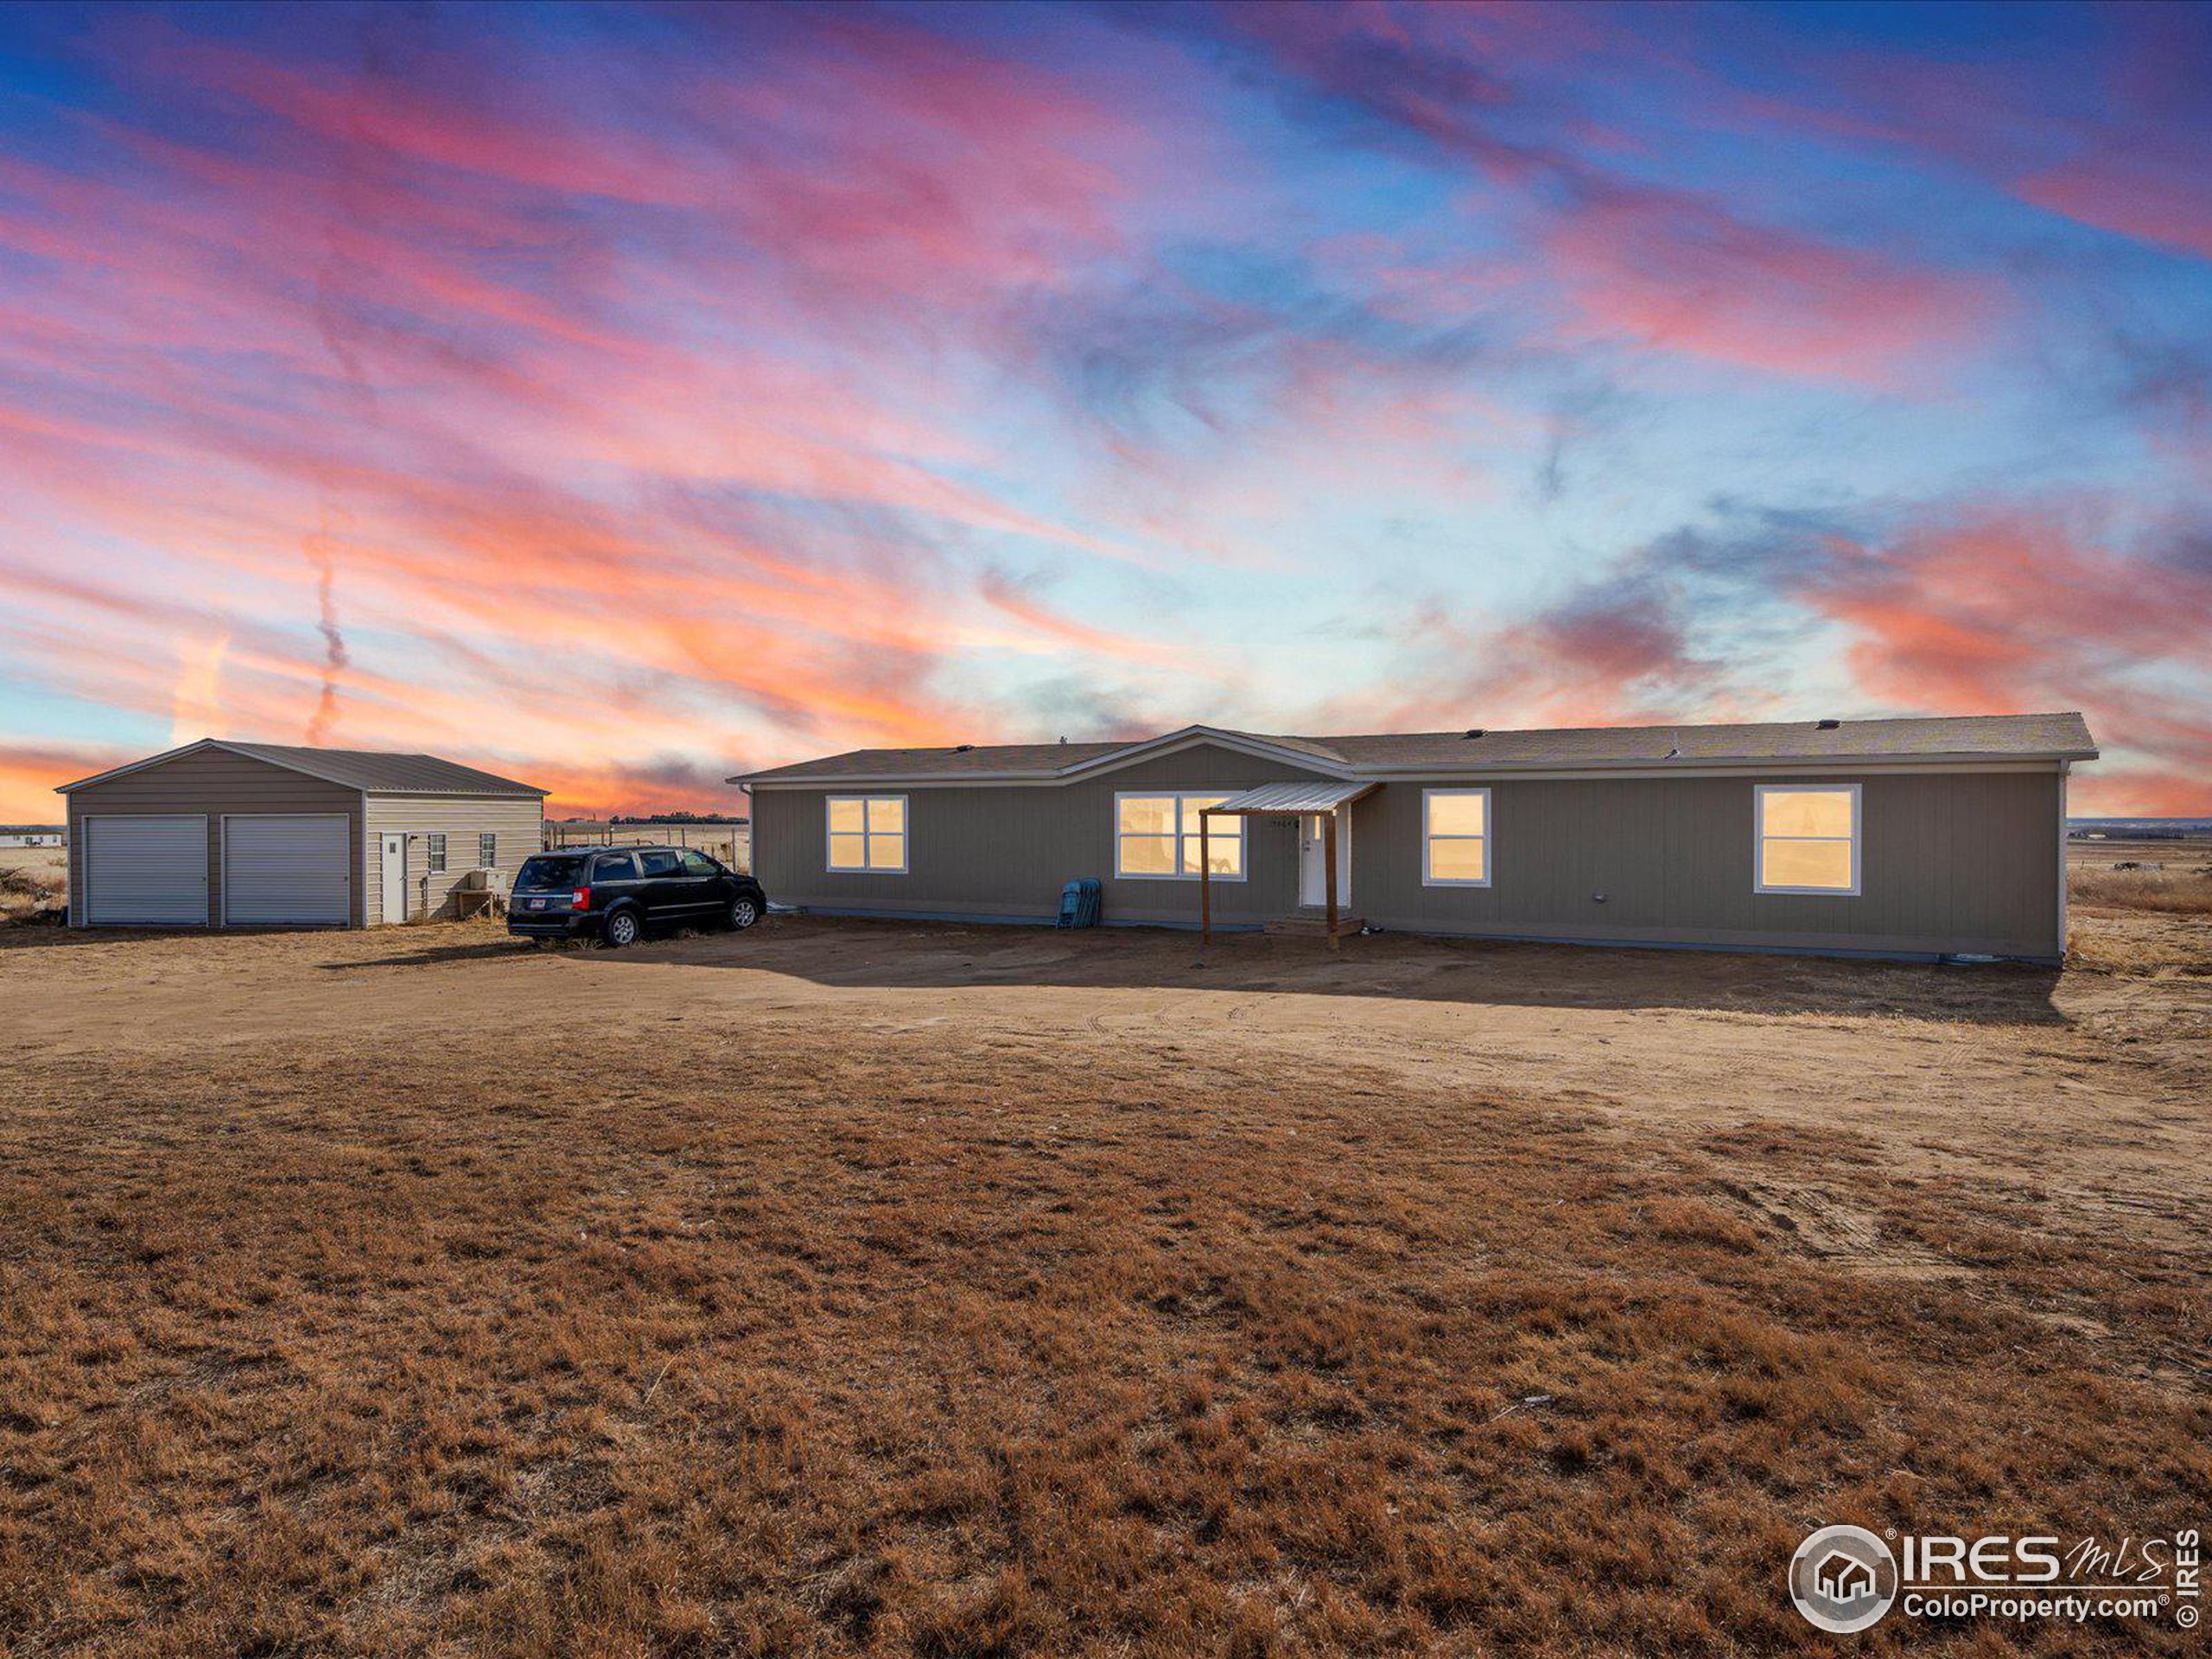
1314	926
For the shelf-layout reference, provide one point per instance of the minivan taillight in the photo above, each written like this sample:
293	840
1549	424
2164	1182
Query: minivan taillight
581	898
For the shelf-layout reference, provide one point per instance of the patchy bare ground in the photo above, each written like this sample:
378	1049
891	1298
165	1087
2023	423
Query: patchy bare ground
841	1287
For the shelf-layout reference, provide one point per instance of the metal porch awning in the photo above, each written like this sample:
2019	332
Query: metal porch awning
1317	798
1303	799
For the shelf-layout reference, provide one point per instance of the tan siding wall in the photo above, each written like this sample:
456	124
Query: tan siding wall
1949	862
212	782
461	819
1007	851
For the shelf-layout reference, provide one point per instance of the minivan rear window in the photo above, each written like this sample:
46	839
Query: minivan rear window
555	874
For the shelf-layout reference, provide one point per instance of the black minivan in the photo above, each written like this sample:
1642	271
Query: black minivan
613	894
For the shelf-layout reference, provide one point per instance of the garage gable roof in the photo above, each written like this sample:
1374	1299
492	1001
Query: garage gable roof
372	771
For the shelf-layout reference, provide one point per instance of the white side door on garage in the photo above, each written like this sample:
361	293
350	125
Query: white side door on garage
286	869
146	872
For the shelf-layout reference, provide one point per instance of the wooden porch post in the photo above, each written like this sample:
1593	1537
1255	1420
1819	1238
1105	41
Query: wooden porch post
1206	880
1329	870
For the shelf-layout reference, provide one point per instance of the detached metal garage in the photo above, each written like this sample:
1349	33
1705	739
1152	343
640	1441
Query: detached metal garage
220	834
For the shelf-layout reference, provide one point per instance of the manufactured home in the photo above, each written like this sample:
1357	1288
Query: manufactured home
221	834
31	835
1916	837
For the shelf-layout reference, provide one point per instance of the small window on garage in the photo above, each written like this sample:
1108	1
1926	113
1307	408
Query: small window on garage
436	846
1808	838
487	851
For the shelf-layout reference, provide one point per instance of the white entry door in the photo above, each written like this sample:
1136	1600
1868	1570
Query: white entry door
1313	870
394	878
287	869
146	872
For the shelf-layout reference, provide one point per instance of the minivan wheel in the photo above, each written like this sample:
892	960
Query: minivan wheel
743	913
619	930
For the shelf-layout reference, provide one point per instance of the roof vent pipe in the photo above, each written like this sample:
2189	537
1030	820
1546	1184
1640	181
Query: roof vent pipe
1828	725
1473	731
962	748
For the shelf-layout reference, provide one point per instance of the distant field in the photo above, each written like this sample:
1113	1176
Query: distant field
2173	876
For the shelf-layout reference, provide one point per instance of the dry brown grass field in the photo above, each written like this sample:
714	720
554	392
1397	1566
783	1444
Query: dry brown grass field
2156	876
844	1288
34	881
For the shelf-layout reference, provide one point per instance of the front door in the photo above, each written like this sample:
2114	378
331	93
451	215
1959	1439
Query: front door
394	878
1312	874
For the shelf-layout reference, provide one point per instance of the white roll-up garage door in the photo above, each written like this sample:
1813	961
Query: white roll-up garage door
149	871
285	870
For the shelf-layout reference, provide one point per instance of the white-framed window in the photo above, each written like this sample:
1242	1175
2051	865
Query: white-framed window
1805	838
434	846
487	851
1156	836
1455	837
867	833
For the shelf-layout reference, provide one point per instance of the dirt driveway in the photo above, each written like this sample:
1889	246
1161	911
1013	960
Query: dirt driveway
2088	1086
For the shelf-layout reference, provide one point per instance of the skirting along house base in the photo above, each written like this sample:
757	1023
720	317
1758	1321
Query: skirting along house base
1916	837
220	834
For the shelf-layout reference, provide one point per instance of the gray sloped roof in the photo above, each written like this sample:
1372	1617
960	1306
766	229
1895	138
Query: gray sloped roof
947	763
376	771
1965	737
1976	737
382	774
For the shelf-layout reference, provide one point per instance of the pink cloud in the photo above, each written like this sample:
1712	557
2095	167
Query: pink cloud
2124	192
1681	274
1999	608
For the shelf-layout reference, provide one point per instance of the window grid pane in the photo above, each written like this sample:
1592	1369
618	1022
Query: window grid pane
1227	857
886	852
1194	804
1148	855
1146	815
1457	815
847	852
1820	813
1805	862
1457	858
848	816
